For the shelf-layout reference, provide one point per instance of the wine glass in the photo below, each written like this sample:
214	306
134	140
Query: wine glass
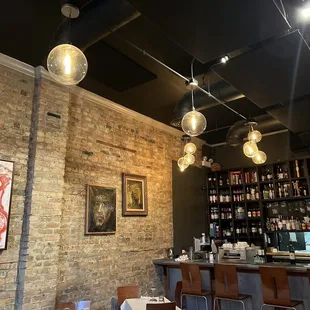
153	289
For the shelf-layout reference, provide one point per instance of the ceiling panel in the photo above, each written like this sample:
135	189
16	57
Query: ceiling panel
272	74
210	29
114	69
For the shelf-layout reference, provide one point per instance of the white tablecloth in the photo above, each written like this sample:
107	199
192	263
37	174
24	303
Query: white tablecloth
139	303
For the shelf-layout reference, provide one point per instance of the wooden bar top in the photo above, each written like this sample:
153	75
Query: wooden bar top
241	267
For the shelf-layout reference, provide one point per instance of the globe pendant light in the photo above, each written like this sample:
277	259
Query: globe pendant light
259	158
190	148
194	123
254	135
182	163
250	149
190	159
66	63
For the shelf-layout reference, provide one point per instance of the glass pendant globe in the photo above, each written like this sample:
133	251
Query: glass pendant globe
255	136
67	64
190	148
190	159
182	163
194	123
250	149
259	158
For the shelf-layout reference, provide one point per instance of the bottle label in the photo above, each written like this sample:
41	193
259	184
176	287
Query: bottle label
292	256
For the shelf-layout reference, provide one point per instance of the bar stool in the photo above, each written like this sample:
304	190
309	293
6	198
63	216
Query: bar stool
124	292
226	285
276	288
192	284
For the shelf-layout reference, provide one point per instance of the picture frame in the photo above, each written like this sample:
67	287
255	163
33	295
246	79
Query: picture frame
135	202
6	187
100	211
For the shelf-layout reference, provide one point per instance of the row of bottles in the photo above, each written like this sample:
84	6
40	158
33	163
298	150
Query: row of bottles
268	191
241	230
212	196
252	193
226	214
225	196
238	195
299	189
285	223
250	177
254	213
281	173
214	213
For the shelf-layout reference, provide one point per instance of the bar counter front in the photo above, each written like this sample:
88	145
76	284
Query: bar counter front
249	282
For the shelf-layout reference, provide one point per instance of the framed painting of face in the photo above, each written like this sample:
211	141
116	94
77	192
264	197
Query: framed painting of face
100	215
6	183
134	195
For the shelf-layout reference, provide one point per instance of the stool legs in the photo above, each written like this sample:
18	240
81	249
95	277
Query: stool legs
217	303
196	297
294	308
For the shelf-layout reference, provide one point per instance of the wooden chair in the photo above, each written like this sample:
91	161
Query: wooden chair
178	293
192	284
124	292
226	285
161	306
67	306
276	288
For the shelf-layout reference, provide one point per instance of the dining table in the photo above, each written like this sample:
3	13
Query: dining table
140	303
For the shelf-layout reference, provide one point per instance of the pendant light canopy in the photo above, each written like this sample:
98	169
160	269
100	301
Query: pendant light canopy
259	158
250	149
67	64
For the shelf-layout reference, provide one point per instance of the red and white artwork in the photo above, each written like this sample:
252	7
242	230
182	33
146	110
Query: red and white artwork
6	180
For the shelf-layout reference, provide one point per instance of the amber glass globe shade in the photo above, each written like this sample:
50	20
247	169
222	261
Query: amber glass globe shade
67	64
259	158
190	148
255	136
190	159
250	149
194	123
182	163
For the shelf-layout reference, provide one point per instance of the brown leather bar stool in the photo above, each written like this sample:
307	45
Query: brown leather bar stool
192	284
226	285
276	288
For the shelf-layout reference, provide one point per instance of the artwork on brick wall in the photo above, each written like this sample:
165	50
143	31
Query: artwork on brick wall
6	182
100	216
134	195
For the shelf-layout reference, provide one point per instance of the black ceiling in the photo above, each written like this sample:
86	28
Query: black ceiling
174	32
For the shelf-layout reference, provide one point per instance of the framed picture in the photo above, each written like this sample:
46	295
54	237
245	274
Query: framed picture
100	218
134	195
6	183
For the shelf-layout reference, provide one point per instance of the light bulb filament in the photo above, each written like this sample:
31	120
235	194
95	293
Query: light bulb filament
194	123
67	64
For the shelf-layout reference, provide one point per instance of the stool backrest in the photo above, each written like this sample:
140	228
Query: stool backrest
275	286
165	306
124	292
226	281
67	306
191	279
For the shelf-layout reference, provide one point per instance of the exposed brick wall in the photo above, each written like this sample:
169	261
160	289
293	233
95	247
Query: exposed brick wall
16	93
93	145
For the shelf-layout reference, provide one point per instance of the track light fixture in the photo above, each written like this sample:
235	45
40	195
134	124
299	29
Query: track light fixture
224	59
66	63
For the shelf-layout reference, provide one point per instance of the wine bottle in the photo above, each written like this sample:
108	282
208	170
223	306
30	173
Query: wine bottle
292	253
297	169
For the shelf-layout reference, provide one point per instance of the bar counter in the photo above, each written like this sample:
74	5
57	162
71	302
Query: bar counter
248	279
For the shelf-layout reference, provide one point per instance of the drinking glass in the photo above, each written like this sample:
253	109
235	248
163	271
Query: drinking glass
153	289
161	298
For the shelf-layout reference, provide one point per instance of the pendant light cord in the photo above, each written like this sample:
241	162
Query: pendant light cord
192	68
193	106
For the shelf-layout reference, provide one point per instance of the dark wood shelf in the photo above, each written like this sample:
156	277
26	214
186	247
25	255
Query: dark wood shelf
304	166
286	198
289	231
301	178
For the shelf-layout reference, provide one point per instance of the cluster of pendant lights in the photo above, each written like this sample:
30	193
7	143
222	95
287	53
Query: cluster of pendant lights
250	148
188	157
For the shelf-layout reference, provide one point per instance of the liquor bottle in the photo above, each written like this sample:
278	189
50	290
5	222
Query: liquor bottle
252	196
248	195
260	229
220	181
288	224
268	224
304	190
254	229
256	193
285	174
292	253
238	231
280	224
297	169
278	172
269	175
280	190
249	213
263	176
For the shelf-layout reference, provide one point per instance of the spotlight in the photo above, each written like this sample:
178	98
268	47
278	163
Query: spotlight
305	12
224	59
